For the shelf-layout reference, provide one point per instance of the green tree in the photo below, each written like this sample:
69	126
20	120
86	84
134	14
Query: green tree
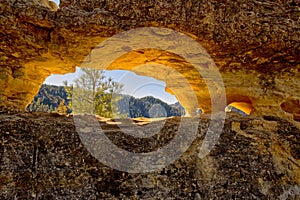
69	91
93	93
106	102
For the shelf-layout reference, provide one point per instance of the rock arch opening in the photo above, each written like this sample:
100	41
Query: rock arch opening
240	104
242	108
140	96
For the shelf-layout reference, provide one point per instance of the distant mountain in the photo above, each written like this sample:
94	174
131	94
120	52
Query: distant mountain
50	97
149	107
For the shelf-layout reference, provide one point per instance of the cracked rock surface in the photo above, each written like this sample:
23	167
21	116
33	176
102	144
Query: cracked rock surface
42	157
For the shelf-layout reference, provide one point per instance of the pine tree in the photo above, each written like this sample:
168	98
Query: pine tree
94	94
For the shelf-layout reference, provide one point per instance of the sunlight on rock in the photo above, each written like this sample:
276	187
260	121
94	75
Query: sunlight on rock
240	107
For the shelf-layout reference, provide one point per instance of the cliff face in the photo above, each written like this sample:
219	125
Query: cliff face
42	157
255	45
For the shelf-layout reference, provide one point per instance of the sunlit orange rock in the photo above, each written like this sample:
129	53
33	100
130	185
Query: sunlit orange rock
255	47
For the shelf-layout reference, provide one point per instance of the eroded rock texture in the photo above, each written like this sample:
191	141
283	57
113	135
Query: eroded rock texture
255	45
42	157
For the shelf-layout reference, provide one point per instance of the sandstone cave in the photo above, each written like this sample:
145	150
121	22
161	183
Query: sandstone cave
249	57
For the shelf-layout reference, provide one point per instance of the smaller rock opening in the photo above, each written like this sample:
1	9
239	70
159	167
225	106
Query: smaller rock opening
52	5
243	108
199	111
292	106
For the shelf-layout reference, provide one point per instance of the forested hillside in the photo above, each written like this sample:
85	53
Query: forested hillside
48	99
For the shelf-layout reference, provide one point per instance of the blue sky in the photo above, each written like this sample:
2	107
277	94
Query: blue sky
137	86
56	1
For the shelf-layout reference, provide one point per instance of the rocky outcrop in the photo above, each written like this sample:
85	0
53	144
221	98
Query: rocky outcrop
42	157
255	45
